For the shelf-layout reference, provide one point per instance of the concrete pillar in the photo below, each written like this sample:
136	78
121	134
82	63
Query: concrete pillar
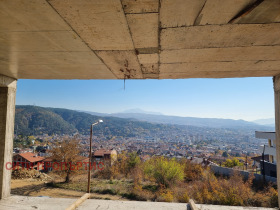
276	83
7	118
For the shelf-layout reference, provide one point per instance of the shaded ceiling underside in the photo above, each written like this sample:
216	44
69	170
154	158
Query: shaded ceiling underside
139	39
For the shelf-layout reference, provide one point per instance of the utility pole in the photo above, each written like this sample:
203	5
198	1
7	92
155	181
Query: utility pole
263	171
246	163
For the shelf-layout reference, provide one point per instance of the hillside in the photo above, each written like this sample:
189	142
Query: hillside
38	120
34	120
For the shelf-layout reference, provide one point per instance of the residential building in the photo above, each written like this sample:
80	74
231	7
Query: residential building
28	160
268	167
270	148
105	155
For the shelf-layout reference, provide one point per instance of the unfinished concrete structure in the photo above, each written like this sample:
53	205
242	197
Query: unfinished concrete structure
133	39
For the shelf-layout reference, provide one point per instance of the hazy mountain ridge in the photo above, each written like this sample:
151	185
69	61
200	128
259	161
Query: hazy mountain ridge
34	120
192	121
138	111
267	122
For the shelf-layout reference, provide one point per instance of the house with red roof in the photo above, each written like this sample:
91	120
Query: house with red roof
105	155
28	160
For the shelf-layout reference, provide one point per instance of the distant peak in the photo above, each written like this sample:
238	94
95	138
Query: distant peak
140	111
268	121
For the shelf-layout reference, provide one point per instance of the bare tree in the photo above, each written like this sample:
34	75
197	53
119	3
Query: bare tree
66	153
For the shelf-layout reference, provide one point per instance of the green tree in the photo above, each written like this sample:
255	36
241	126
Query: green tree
133	160
164	171
232	163
225	154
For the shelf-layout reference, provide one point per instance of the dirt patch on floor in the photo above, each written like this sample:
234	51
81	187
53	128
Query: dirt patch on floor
32	187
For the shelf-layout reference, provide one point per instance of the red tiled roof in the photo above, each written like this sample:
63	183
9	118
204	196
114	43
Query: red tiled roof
102	152
49	159
31	157
80	158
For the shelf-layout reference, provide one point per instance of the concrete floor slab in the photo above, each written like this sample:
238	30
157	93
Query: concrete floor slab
43	203
46	203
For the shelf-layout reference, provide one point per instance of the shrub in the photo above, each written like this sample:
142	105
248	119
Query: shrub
273	197
133	160
165	195
232	163
233	191
193	171
164	171
181	195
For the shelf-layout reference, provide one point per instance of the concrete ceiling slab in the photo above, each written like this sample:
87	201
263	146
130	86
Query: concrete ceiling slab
176	13
267	12
124	64
36	43
34	15
53	58
91	39
148	58
101	24
140	6
149	64
47	41
144	30
221	11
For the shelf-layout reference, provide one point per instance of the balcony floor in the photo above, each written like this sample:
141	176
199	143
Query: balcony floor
46	203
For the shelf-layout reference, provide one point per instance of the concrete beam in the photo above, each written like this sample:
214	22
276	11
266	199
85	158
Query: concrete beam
227	66
7	116
220	36
7	82
251	53
215	74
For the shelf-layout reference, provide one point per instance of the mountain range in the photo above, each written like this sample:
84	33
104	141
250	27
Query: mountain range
138	114
34	120
267	122
39	120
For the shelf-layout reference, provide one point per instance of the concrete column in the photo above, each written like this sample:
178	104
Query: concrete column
276	83
7	118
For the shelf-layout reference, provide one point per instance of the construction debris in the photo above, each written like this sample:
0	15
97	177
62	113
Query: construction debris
34	174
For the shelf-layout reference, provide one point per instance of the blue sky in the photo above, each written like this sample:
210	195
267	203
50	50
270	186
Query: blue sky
246	98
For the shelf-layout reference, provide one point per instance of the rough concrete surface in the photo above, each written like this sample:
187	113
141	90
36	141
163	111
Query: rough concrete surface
45	203
91	39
